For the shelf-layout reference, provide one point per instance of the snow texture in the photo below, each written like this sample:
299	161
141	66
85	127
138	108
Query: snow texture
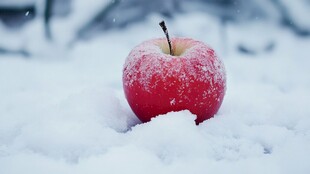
64	111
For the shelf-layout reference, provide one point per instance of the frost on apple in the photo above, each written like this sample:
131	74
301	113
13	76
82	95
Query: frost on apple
172	102
136	71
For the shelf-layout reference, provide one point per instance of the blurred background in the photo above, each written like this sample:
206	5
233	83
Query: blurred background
25	24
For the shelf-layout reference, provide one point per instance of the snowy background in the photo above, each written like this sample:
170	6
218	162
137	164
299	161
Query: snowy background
62	107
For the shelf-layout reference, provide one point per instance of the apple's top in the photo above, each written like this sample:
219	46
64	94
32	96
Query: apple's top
194	58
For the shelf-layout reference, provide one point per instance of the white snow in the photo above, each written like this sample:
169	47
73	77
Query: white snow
65	112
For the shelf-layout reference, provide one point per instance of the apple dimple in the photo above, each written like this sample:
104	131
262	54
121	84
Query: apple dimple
179	47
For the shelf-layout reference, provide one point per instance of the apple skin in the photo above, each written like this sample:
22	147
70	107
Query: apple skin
156	82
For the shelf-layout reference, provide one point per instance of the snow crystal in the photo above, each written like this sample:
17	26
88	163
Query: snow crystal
172	102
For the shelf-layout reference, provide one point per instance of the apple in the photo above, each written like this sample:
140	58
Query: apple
160	76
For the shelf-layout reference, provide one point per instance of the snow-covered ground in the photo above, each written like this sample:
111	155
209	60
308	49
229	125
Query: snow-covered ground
64	111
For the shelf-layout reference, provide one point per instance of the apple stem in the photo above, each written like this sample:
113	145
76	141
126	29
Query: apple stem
163	26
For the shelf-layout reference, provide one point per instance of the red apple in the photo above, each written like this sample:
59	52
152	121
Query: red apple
192	78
